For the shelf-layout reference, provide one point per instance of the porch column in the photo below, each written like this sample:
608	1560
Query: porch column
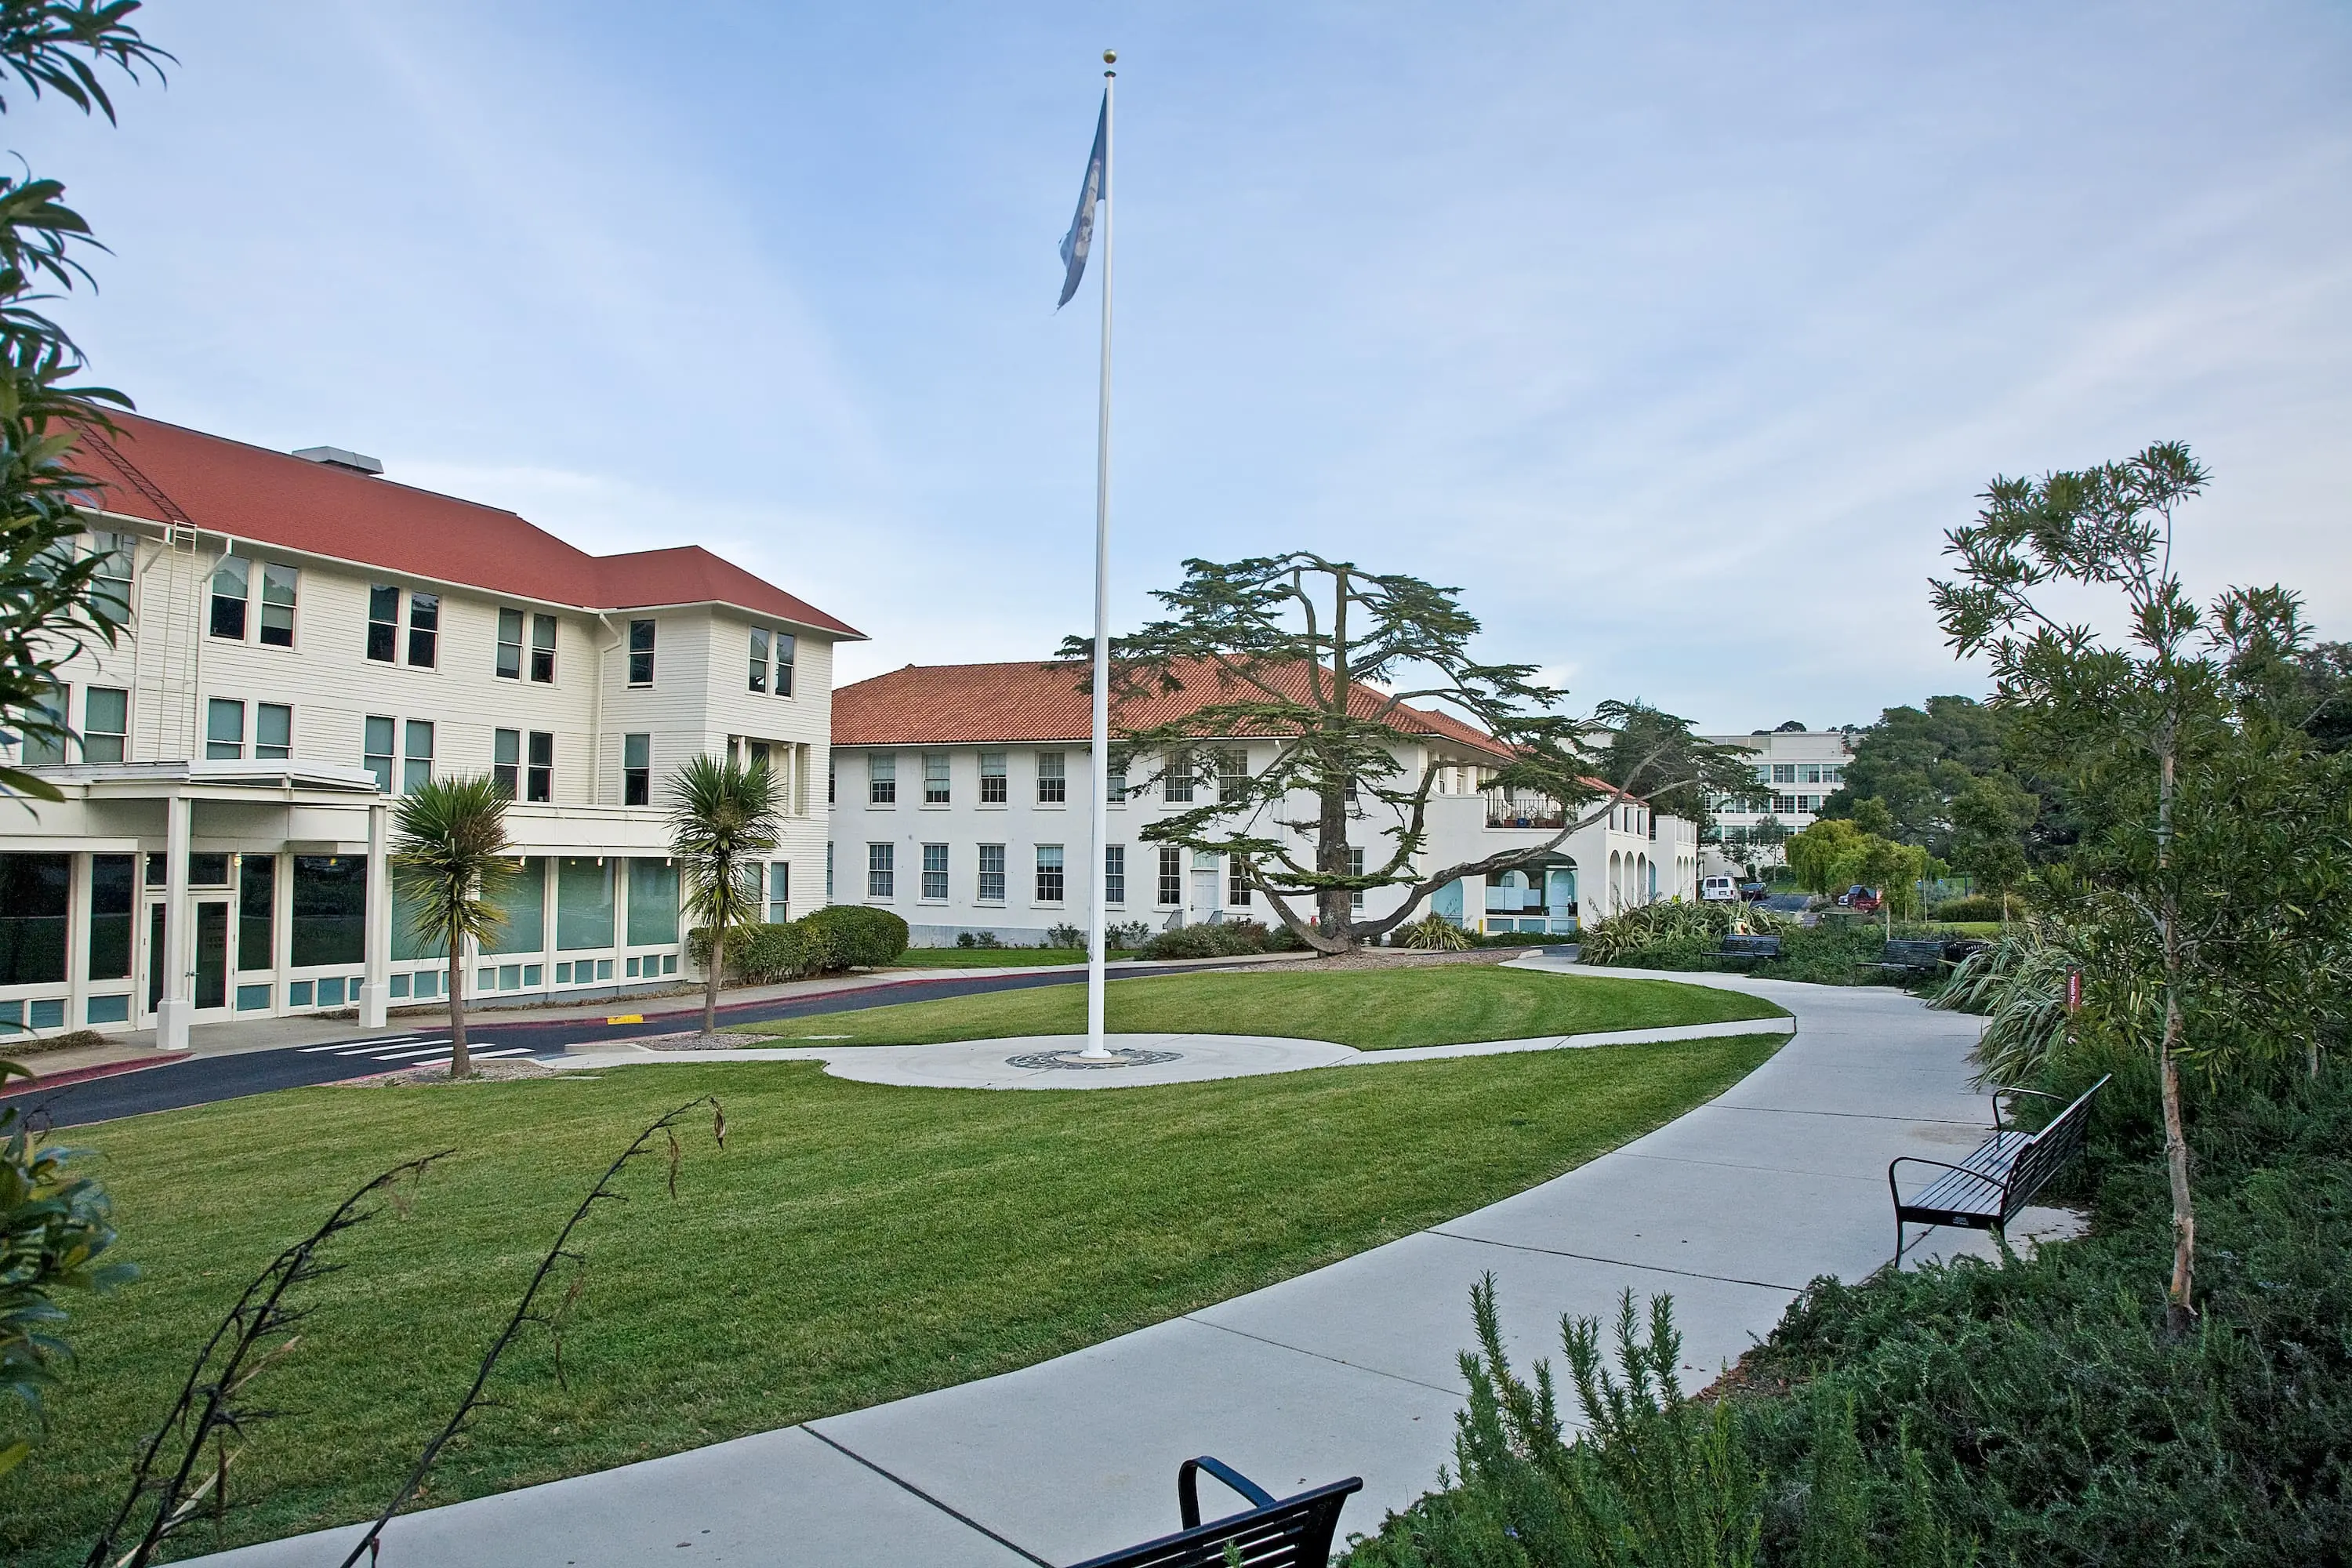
177	959
375	949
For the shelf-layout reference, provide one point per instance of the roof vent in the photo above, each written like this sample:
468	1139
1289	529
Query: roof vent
337	457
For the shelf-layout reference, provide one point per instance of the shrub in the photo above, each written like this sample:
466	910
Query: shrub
1127	937
1065	935
1674	926
1515	938
1433	933
1975	907
1221	939
856	937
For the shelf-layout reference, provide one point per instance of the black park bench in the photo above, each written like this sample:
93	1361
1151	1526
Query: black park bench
1908	953
1750	947
1985	1191
1294	1532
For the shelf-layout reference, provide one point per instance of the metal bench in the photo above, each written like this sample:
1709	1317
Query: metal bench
1294	1532
1737	946
1985	1191
1904	953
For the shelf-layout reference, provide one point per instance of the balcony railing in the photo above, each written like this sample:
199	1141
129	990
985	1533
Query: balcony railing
1524	810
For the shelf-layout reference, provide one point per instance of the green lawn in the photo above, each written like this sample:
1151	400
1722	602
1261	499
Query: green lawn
1371	1009
853	1243
994	957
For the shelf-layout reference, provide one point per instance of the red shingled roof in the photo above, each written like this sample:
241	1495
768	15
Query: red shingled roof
939	704
153	471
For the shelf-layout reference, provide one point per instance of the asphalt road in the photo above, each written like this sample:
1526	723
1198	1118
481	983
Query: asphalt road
200	1080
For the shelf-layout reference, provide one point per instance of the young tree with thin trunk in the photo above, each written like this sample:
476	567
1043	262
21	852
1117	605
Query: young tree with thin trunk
725	819
1326	659
450	858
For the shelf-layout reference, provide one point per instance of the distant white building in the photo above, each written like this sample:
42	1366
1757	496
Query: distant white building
1795	768
961	799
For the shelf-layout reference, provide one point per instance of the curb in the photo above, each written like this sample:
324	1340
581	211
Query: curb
81	1075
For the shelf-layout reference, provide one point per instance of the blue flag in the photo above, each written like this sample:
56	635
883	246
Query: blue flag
1076	243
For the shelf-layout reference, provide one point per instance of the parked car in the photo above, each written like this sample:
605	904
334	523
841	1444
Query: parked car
1717	890
1755	892
1859	899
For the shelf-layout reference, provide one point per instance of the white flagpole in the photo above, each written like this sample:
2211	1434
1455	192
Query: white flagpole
1096	943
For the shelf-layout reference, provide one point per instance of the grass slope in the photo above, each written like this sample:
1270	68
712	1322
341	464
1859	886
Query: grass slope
1371	1009
852	1244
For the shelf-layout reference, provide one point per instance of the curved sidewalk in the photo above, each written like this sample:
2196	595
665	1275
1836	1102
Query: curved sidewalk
1348	1370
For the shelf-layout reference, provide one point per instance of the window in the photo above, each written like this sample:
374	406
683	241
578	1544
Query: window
509	665
1237	888
231	587
636	770
1115	781
583	907
376	752
881	778
780	891
111	583
105	722
1233	775
538	783
992	873
278	588
935	778
828	870
759	658
935	870
273	731
1784	772
1114	873
33	901
991	778
223	728
881	870
111	896
506	760
1052	784
48	748
784	648
542	649
1355	869
256	894
1783	804
423	629
1809	772
329	910
383	622
417	761
1171	875
1835	776
1049	873
641	653
1176	780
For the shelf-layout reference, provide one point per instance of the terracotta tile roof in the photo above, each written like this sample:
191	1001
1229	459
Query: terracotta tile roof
940	704
153	470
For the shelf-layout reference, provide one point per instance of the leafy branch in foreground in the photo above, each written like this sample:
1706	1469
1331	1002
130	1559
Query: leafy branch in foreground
527	1311
209	1411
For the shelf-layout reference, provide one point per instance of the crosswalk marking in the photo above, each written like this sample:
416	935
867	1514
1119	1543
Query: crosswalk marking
423	1050
471	1055
341	1046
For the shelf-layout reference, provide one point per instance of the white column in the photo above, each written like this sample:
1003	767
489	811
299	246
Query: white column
178	957
376	939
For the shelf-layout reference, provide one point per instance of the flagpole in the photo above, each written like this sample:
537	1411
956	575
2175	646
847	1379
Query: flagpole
1098	1048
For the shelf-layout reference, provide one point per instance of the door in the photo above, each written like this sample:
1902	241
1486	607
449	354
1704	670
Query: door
1204	896
212	955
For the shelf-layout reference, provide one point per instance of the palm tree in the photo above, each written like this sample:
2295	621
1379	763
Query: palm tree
724	820
450	855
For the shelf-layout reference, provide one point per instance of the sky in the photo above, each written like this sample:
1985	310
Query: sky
1673	336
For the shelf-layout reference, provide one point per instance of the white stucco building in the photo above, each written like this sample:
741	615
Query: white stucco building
1795	768
306	640
960	798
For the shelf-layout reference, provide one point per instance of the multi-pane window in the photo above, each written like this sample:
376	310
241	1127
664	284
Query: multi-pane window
881	870
786	647
278	586
110	582
641	653
935	870
539	782
935	778
780	891
1176	780
1355	869
423	629
1053	783
1115	780
755	755
273	731
1049	873
416	759
542	649
510	664
376	750
1237	887
223	728
881	778
231	588
1233	774
1114	873
49	748
1784	772
759	658
1171	875
506	761
105	723
992	873
991	778
636	770
831	782
256	894
383	622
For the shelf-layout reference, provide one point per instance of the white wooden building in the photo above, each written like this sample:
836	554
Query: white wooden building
308	639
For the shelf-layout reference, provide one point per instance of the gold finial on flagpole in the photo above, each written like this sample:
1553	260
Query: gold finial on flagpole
1110	57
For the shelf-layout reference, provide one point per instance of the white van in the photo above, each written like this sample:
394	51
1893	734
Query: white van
1718	891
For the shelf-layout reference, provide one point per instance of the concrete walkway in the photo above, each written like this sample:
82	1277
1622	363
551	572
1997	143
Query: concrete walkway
1348	1370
